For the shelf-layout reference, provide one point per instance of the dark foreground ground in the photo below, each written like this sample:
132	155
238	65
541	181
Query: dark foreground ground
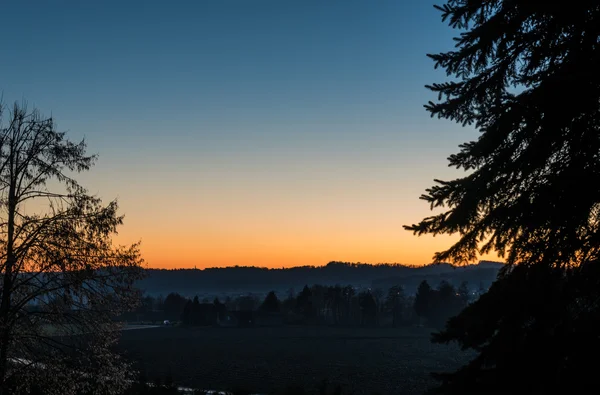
363	361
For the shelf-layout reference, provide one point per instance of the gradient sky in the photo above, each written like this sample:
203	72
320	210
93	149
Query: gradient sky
271	133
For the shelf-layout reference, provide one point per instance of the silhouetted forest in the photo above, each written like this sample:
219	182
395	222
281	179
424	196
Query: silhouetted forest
431	306
191	282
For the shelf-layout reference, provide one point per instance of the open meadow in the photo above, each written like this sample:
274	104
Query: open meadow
362	360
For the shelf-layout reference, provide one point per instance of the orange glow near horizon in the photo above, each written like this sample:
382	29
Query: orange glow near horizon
274	136
282	212
266	237
272	254
281	253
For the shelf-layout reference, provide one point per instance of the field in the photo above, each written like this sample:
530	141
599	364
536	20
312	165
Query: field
363	361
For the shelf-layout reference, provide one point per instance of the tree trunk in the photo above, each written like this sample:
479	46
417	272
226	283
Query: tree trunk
7	282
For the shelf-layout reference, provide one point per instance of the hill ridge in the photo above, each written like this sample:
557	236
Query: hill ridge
236	279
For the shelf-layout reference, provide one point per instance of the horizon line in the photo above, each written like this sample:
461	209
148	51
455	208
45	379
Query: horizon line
395	264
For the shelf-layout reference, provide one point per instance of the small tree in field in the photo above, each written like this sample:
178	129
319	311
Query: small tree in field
62	280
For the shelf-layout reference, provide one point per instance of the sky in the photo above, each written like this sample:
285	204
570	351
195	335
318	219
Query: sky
249	132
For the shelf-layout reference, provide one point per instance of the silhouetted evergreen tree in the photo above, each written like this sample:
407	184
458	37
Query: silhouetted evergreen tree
173	305
527	78
423	300
304	303
271	303
195	313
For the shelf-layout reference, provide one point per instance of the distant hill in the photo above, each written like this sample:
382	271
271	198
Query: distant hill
240	279
478	275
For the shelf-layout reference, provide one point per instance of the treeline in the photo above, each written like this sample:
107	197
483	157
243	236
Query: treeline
256	279
316	305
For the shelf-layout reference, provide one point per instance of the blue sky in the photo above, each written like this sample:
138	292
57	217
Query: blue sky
221	122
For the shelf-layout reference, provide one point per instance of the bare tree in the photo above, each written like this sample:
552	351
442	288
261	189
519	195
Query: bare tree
62	280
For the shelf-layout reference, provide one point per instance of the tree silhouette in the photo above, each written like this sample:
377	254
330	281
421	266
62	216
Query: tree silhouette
304	302
423	300
195	312
271	303
378	295
524	194
526	76
444	302
220	309
394	303
173	305
55	244
368	308
348	294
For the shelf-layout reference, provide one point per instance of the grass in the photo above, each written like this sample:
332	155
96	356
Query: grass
362	360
